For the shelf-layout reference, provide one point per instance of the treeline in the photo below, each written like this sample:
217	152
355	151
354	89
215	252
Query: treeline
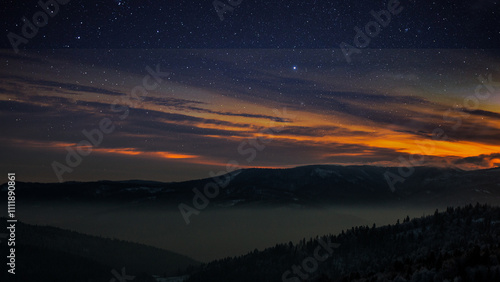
460	244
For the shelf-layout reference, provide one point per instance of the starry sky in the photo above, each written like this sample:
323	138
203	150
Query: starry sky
254	24
269	77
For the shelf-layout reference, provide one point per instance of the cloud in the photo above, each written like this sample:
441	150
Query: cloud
480	161
189	106
483	113
71	88
22	108
211	104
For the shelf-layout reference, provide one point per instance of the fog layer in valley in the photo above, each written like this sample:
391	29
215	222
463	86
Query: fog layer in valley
214	233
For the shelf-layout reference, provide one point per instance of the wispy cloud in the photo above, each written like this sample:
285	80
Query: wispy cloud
364	114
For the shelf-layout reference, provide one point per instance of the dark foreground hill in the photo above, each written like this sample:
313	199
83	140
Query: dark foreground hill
460	244
302	186
46	253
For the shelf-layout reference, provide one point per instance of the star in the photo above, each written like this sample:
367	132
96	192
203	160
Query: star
294	67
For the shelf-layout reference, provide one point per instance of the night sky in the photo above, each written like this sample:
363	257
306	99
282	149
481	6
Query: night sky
264	85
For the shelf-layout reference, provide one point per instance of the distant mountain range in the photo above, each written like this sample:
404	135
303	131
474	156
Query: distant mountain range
302	186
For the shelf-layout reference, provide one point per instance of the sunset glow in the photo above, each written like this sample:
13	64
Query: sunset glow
273	117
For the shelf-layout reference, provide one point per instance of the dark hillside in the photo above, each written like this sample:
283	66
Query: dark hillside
460	244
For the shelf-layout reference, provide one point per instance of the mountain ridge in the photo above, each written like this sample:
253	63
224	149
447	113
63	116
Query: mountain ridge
310	185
